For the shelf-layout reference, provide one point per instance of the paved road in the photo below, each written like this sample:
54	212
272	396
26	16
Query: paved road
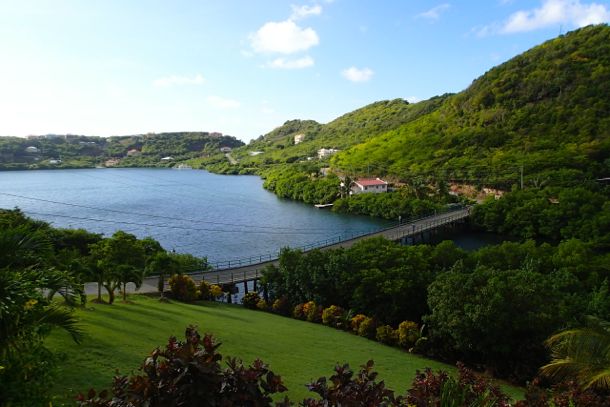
246	272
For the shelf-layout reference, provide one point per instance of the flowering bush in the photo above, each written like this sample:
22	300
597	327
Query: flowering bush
408	334
386	334
356	321
250	300
183	288
262	305
332	316
298	312
281	306
368	328
312	312
215	292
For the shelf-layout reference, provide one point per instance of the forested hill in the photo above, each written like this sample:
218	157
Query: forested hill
546	110
145	150
278	146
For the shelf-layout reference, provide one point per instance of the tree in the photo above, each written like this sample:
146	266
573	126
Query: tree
581	354
162	264
27	315
119	259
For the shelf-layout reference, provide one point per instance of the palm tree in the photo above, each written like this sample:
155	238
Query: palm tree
581	354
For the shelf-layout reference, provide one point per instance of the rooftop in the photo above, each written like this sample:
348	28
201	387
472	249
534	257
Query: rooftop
365	182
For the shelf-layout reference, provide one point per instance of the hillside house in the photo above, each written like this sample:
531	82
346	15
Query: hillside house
299	138
368	185
133	153
225	149
326	152
31	149
167	159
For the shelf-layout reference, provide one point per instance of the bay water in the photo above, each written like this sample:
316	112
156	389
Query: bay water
221	217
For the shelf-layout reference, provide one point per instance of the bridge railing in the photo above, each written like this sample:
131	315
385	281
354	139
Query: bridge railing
400	228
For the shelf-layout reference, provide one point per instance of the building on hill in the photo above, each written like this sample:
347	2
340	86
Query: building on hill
31	149
133	152
225	149
368	185
167	158
299	138
326	152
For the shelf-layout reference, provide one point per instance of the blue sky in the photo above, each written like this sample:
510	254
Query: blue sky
243	67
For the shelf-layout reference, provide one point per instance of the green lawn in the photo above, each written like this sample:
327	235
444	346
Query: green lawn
121	335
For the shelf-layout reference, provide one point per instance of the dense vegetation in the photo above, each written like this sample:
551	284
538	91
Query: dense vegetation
38	262
544	110
492	307
126	151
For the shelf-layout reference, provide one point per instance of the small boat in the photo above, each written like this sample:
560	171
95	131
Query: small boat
322	206
183	167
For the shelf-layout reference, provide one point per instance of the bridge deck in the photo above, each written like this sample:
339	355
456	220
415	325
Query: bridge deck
253	271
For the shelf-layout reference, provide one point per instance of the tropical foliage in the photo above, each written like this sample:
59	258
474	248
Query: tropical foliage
582	355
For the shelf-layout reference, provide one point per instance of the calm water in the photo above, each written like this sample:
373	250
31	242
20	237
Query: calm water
222	217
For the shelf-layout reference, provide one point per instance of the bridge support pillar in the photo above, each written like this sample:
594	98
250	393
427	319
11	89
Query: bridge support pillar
245	286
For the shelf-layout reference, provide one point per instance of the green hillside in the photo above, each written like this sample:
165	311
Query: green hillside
278	146
143	150
546	110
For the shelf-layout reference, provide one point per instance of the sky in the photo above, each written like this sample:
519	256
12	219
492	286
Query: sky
244	67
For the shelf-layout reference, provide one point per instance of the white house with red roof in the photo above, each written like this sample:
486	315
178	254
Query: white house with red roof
368	185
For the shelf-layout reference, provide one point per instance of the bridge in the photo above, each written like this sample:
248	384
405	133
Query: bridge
249	269
243	270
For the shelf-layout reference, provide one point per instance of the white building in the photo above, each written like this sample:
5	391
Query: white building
326	152
31	149
167	158
367	185
225	149
299	138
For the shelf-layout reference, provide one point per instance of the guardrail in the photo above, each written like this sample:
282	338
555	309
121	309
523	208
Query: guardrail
435	222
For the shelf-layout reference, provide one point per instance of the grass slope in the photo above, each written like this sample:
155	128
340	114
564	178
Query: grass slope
120	336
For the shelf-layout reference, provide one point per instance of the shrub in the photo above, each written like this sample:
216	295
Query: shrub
332	316
429	389
183	288
297	312
215	292
343	389
250	300
356	321
312	312
386	334
367	328
563	394
408	334
281	306
189	373
204	290
262	305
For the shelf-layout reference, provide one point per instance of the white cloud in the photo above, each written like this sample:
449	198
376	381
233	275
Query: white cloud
299	12
572	13
284	63
284	37
223	103
435	12
175	80
357	75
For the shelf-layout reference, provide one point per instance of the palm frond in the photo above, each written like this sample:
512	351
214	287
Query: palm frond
55	316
